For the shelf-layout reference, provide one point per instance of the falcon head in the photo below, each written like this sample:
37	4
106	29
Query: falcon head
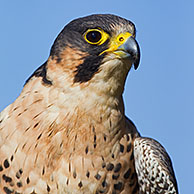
95	51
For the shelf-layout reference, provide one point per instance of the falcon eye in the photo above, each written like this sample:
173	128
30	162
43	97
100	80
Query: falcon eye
95	36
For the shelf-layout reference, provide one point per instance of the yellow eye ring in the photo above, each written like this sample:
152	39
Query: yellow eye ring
95	36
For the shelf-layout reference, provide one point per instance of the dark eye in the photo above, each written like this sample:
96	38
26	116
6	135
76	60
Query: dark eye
93	36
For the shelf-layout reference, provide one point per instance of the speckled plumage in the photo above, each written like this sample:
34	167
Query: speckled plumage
67	131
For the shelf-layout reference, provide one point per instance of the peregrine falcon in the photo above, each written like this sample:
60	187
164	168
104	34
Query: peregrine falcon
67	131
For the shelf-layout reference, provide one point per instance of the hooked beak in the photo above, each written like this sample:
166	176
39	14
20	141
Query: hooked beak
130	50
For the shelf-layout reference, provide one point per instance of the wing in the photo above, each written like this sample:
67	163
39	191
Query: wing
154	167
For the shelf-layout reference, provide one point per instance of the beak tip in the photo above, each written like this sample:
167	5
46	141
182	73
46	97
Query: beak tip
137	61
136	65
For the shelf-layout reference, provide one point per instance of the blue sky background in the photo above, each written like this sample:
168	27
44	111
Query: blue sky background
159	96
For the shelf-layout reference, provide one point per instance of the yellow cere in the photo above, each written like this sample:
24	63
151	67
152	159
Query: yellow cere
96	36
117	41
